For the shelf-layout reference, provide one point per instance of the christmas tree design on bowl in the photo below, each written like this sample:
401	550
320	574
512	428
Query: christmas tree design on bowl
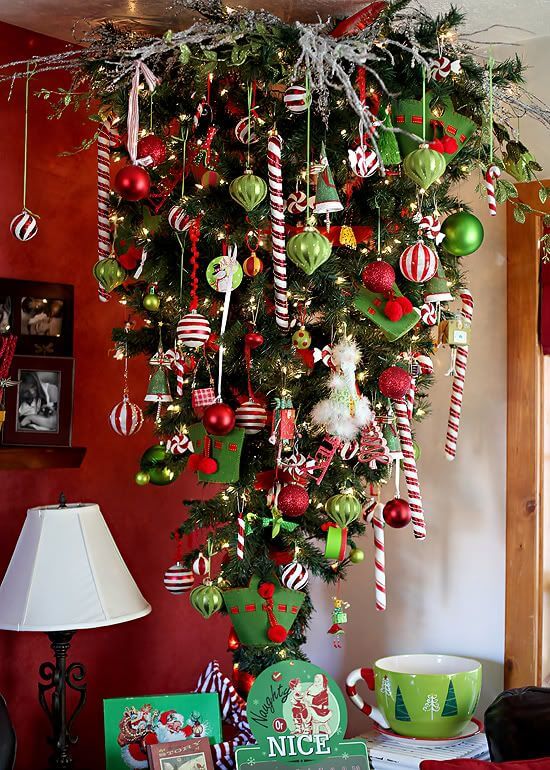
263	612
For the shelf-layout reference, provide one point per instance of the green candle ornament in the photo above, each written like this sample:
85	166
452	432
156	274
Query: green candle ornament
248	190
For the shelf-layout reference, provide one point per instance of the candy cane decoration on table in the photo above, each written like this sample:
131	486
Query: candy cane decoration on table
409	467
457	389
276	204
104	143
379	558
491	175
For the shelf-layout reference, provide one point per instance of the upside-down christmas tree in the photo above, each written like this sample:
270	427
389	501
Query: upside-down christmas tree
285	239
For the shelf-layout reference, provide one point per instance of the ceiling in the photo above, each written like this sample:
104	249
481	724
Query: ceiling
58	19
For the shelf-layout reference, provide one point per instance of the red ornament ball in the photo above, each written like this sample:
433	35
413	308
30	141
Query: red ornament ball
218	419
152	147
378	276
252	265
397	513
253	340
293	501
178	579
277	634
394	382
210	178
132	183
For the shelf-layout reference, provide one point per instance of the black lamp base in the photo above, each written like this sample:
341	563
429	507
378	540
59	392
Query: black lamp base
56	678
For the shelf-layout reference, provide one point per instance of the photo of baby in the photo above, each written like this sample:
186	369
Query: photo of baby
41	317
38	401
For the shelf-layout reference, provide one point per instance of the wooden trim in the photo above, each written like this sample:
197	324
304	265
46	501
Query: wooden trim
524	454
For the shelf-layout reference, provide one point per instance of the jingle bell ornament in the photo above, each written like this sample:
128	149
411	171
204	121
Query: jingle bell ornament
378	276
394	382
301	339
152	147
294	576
178	579
252	265
193	330
24	226
151	301
206	599
397	513
356	555
109	273
218	419
309	249
424	166
248	190
293	501
251	416
463	234
132	183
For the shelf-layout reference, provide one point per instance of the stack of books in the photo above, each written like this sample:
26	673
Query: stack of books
386	753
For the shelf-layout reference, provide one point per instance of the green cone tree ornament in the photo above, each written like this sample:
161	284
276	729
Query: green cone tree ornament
248	190
424	166
206	599
463	234
109	273
309	249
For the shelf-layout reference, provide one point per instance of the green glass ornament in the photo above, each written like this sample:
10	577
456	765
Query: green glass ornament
142	478
154	463
424	166
301	339
343	509
109	273
151	302
463	234
356	555
206	599
249	190
309	249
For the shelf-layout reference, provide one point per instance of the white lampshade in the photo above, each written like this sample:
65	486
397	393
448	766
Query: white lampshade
67	573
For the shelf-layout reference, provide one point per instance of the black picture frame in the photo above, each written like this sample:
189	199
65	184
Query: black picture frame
40	314
39	406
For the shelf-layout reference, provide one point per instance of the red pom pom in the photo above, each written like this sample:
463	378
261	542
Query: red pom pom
266	590
378	276
437	144
393	310
208	465
194	462
450	144
132	183
394	382
277	634
406	304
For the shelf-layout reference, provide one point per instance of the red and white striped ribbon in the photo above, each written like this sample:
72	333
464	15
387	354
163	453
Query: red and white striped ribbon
457	389
379	558
278	240
152	82
409	468
491	175
104	142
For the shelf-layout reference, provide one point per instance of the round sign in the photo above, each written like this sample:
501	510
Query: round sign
292	698
217	277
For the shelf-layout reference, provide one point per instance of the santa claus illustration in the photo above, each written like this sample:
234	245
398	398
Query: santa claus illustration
171	727
136	733
316	699
300	712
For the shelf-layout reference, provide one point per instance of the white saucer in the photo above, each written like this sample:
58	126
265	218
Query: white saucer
472	728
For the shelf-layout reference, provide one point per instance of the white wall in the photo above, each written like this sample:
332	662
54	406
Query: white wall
446	594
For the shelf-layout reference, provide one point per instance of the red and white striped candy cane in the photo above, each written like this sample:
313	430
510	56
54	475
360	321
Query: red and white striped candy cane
178	366
240	535
492	174
278	240
426	366
379	558
104	142
457	390
409	467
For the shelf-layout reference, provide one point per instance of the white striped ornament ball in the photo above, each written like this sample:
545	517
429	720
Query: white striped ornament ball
201	565
178	579
294	576
126	418
24	226
179	220
251	416
193	330
241	131
418	262
296	99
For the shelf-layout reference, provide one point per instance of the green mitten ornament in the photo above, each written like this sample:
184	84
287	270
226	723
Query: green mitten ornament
424	166
309	249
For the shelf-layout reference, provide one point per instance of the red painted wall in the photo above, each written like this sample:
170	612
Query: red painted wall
165	651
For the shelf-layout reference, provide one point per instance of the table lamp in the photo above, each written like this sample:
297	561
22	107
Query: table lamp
66	574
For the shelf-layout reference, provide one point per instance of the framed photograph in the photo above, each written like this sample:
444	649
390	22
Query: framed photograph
134	724
181	755
39	314
39	406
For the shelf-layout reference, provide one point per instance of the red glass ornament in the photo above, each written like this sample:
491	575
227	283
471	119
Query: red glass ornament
397	513
378	276
394	382
218	419
253	340
132	183
131	258
153	147
293	501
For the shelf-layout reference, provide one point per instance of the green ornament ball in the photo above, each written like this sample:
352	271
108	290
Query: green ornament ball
343	509
142	478
109	273
206	599
309	249
301	339
151	302
356	555
424	166
154	463
463	234
249	190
